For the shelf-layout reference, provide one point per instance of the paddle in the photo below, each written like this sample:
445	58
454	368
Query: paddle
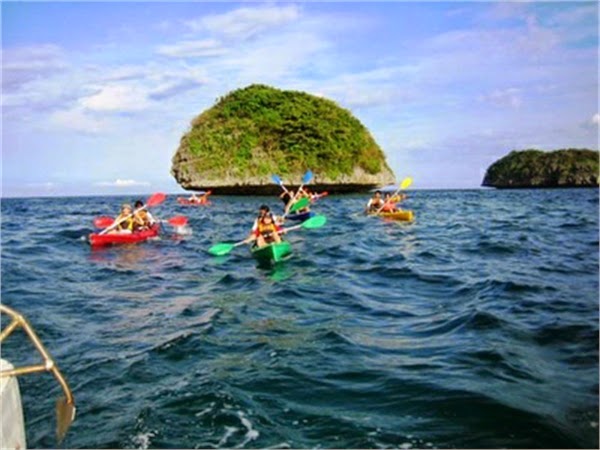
305	179
302	203
405	183
224	248
155	199
312	223
103	222
177	221
278	181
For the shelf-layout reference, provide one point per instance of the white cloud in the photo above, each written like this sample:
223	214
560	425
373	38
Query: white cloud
77	119
48	185
192	49
592	124
21	65
244	23
508	97
116	98
120	183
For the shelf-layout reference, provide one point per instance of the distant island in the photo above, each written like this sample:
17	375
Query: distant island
235	146
539	169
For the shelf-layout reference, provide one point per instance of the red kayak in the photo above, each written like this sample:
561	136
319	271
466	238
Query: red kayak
101	240
315	197
188	202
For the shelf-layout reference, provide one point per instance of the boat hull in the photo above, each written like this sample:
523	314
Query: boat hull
103	240
272	253
300	217
404	215
187	202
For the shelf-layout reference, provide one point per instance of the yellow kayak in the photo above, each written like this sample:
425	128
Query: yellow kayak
404	215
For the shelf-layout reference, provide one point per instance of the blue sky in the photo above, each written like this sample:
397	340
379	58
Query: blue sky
96	96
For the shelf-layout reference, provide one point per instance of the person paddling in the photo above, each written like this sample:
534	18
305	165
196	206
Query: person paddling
142	220
375	203
265	229
124	220
389	205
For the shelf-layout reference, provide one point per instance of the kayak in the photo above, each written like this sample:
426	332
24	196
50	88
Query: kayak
188	202
300	217
101	240
274	252
315	197
404	215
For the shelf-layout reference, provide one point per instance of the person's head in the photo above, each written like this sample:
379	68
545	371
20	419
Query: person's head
377	194
387	195
126	208
267	219
139	204
263	210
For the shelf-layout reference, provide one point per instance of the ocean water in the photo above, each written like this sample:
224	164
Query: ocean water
474	326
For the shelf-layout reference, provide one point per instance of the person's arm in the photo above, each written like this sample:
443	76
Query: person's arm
252	236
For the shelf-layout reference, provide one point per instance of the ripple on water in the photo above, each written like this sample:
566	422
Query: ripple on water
476	326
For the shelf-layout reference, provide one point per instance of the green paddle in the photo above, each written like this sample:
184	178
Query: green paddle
302	203
312	223
224	248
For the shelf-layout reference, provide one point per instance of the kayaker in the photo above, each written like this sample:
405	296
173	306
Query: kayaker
302	193
265	229
194	199
375	203
285	197
389	206
124	221
142	219
288	199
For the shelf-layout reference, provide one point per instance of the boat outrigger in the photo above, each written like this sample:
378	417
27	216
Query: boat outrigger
13	426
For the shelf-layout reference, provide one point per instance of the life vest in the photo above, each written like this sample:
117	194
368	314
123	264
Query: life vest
127	224
143	217
266	229
389	207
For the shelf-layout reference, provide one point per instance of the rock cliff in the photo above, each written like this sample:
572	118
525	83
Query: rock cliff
235	146
538	169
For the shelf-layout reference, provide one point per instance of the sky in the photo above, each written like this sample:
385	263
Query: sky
96	96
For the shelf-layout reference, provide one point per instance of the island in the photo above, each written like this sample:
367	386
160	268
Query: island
540	169
253	133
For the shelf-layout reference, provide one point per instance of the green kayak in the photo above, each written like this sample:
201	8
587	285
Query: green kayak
272	252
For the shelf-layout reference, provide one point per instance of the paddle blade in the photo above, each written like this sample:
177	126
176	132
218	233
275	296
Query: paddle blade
307	177
315	222
220	249
103	222
406	183
65	414
156	199
276	179
178	221
302	203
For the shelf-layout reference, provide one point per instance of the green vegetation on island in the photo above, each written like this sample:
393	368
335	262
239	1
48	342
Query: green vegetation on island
257	131
539	169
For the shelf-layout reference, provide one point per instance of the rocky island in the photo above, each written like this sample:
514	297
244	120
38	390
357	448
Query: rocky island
235	146
540	169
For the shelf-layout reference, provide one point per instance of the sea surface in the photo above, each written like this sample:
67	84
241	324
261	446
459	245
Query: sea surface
476	326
